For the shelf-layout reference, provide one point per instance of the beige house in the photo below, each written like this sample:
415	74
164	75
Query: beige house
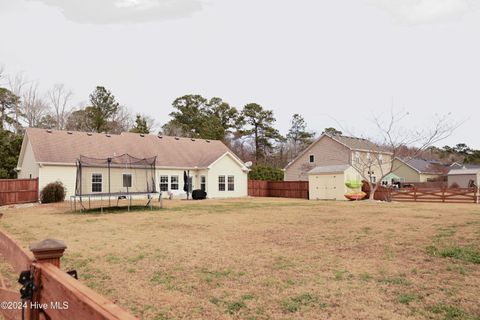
464	176
330	150
51	155
418	170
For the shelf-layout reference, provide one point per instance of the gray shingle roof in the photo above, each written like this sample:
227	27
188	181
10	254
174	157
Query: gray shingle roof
355	143
425	166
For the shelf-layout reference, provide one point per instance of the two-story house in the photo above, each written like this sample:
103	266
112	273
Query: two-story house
332	160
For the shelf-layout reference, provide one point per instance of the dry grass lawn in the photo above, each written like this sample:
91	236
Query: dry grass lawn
272	258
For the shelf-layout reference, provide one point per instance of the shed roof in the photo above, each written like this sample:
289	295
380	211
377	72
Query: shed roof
329	169
465	171
65	147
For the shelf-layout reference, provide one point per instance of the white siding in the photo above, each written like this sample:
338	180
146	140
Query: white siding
29	168
226	166
64	174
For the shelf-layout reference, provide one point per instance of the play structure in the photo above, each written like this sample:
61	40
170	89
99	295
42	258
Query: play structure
356	192
113	179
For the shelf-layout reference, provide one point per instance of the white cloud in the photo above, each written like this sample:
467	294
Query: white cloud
426	11
124	11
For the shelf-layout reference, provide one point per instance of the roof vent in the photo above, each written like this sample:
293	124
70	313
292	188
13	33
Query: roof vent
160	137
193	139
207	141
108	136
177	138
69	132
89	134
142	135
49	131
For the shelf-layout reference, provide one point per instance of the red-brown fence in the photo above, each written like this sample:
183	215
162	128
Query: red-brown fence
14	191
58	295
282	189
419	194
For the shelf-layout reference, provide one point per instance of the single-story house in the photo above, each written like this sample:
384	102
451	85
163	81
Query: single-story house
51	155
418	170
329	182
464	176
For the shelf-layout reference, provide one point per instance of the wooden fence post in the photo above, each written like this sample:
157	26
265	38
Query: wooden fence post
414	194
48	251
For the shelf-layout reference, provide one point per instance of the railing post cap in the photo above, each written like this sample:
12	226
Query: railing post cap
48	249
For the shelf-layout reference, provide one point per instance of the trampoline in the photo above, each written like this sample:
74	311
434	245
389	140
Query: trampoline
115	178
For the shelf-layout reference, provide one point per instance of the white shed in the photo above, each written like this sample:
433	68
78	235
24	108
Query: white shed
328	182
464	175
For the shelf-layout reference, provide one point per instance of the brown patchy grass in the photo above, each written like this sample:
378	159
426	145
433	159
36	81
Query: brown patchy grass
272	258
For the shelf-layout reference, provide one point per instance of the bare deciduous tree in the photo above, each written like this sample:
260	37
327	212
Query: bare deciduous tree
59	98
33	107
391	138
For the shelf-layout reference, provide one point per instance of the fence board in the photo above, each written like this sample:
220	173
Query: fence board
19	259
425	194
10	296
282	189
15	191
83	303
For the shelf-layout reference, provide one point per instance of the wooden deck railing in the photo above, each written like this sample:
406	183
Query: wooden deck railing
61	295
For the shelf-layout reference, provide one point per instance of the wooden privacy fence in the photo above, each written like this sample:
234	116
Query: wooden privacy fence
419	194
58	295
282	189
13	191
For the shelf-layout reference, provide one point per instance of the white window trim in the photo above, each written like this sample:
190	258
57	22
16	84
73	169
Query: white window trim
178	182
228	183
224	183
160	181
101	183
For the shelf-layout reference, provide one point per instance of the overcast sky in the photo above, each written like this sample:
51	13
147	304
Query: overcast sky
332	61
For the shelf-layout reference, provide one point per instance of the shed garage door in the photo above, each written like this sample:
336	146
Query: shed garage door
326	187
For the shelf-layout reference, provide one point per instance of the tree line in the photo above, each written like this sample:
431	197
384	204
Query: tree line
249	131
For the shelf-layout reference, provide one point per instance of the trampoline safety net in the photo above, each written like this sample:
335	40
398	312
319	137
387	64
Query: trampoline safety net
118	175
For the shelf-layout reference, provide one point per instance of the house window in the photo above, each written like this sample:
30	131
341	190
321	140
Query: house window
174	183
373	179
96	182
127	180
163	183
380	159
203	183
356	157
221	183
231	183
312	158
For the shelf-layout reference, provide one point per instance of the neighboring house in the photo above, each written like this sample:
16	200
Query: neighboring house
464	176
417	170
332	160
51	155
329	150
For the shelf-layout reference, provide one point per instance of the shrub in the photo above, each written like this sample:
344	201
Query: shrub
454	185
53	192
266	173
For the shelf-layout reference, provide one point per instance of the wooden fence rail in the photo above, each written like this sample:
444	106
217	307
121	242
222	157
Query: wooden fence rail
63	296
422	194
14	191
282	189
